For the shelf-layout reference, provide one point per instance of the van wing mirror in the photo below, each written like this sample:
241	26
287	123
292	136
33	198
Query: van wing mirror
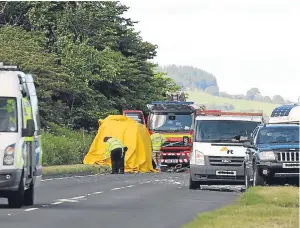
29	131
248	144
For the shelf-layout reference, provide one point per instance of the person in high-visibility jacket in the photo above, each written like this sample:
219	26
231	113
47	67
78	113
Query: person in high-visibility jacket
157	140
115	149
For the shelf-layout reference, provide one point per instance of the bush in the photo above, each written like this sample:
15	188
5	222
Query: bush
62	146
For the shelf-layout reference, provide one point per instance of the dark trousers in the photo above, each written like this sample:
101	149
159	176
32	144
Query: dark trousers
117	160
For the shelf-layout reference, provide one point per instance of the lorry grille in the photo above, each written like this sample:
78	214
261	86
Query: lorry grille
225	161
288	156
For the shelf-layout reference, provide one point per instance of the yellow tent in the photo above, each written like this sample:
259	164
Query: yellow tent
135	136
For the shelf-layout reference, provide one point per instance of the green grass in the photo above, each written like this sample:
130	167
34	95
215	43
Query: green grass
263	207
71	169
239	104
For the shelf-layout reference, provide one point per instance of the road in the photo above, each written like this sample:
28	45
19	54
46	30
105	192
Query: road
111	201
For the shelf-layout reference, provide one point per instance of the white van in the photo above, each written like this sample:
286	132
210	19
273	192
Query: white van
20	151
218	154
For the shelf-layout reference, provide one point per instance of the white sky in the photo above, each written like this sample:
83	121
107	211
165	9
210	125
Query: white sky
244	43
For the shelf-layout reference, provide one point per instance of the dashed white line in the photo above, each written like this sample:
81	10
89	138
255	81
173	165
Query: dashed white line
56	203
113	189
129	186
78	197
31	209
96	193
68	200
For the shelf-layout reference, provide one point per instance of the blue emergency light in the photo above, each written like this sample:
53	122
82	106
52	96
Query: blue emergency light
283	110
171	103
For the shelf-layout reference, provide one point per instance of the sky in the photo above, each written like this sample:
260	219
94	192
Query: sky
243	43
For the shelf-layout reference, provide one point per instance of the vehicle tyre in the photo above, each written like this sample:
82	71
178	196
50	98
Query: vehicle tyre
193	184
164	169
15	199
29	196
258	180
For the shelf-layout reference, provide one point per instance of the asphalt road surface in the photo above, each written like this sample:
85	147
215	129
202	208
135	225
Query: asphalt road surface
110	201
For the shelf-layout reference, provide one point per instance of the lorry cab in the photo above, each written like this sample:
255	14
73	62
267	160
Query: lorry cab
20	155
218	153
136	115
174	120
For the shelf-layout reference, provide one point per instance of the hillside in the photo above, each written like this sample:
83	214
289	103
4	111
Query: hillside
192	78
215	102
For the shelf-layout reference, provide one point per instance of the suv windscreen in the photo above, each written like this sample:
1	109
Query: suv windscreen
8	115
172	122
223	130
278	135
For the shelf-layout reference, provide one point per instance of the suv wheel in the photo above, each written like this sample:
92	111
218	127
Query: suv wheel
258	180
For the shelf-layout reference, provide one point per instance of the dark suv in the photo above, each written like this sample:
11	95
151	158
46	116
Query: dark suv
272	155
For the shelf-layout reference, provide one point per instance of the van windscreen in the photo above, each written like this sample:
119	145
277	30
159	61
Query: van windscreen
8	114
223	130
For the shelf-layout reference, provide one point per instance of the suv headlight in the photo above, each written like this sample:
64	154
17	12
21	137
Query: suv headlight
9	155
267	156
197	158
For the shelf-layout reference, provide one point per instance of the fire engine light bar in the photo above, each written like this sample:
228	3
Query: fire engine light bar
171	103
282	110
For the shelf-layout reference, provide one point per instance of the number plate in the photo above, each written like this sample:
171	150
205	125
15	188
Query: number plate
290	165
171	160
225	173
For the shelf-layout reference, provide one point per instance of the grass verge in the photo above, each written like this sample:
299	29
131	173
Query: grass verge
263	207
74	169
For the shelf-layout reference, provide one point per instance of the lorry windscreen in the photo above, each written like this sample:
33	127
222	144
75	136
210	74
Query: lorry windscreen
8	115
223	130
172	122
278	135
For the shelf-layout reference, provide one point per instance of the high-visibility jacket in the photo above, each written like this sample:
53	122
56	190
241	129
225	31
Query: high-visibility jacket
27	116
111	144
157	141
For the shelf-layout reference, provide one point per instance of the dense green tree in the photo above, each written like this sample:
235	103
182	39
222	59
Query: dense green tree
86	58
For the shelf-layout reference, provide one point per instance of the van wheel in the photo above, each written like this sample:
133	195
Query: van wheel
15	199
193	184
29	196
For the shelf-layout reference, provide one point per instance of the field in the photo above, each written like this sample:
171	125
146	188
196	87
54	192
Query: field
239	104
263	207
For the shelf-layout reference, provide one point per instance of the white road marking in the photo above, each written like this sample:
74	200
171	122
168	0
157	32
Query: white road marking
9	214
115	189
68	200
96	193
71	177
129	186
56	203
78	197
31	209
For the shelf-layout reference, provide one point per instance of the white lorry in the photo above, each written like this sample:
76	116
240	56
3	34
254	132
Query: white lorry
217	151
20	150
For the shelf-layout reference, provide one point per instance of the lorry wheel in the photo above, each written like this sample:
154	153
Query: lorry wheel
29	196
15	199
258	180
193	184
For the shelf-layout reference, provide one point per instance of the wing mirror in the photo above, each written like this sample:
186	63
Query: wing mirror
29	130
248	144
